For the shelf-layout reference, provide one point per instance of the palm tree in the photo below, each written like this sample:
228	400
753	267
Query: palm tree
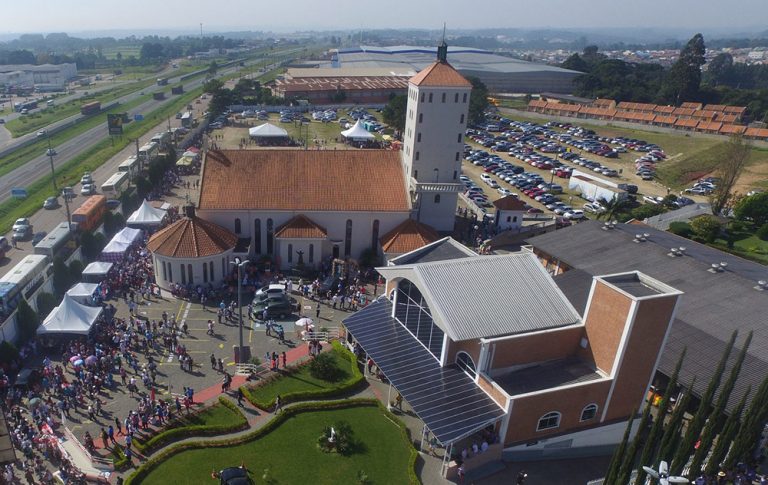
612	208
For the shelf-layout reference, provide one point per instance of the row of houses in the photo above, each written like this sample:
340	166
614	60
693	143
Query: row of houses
711	119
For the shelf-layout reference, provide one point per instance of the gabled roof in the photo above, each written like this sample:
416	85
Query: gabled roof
509	203
191	237
488	296
407	236
441	250
440	74
303	180
301	227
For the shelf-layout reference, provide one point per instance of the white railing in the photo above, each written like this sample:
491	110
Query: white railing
98	462
331	334
246	369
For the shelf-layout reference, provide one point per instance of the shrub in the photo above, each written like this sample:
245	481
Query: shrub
45	303
324	367
8	352
762	232
706	227
682	229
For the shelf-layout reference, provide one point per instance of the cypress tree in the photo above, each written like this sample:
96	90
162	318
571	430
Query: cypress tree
715	421
726	437
616	459
751	427
629	457
672	432
656	430
697	423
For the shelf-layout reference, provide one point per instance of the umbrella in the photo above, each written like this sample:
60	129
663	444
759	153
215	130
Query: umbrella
34	402
91	360
304	321
78	363
74	358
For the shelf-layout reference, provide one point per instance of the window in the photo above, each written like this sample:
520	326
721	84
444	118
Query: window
417	156
421	117
589	412
443	97
413	313
191	278
461	120
238	226
223	268
165	274
465	98
430	97
348	239
455	174
422	97
416	174
290	253
457	158
549	421
418	136
170	273
205	273
311	253
437	198
183	275
257	235
459	139
465	363
270	234
456	98
514	219
509	218
375	236
210	265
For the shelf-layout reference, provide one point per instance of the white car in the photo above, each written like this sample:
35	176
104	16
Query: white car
88	189
87	178
504	192
594	208
652	200
485	177
21	224
574	214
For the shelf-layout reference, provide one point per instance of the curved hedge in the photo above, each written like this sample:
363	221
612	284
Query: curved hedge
286	414
356	379
175	434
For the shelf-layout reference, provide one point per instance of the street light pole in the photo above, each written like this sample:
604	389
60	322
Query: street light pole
239	263
50	155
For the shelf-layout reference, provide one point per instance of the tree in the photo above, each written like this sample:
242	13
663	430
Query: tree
45	303
612	208
672	432
27	320
61	280
212	86
751	426
628	464
394	112
724	440
697	423
575	63
762	232
753	208
684	77
706	227
478	100
719	68
647	210
713	426
92	244
213	68
649	448
618	454
729	170
76	270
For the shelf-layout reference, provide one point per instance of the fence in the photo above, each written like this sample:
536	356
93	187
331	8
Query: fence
330	334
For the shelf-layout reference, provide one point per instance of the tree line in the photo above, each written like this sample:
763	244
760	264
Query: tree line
724	82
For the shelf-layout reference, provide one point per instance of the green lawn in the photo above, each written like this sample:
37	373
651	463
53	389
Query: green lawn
291	455
754	246
302	380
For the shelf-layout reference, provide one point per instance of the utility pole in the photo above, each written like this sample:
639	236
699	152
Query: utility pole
50	156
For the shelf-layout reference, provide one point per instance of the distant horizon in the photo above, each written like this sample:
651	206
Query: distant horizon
145	17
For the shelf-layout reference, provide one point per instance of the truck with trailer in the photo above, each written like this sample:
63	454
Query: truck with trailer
90	108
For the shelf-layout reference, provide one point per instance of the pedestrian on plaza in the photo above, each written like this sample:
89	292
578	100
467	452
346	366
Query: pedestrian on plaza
240	397
284	358
521	477
128	441
277	404
111	434
178	405
118	426
203	299
213	362
317	311
128	454
221	365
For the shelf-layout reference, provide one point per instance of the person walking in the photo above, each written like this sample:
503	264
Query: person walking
240	397
284	359
213	362
317	311
277	404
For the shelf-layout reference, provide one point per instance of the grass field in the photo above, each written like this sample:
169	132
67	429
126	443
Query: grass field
125	51
291	455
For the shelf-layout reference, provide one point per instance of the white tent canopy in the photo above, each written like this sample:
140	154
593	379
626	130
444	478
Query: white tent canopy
146	215
267	130
120	243
358	133
70	317
83	292
97	268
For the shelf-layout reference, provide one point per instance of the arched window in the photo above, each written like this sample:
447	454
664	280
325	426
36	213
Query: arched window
311	253
437	198
589	412
223	268
183	275
210	265
165	272
191	278
257	236
465	363
170	273
348	239
514	219
549	421
205	273
290	253
238	226
443	97
456	98
270	235
509	218
375	236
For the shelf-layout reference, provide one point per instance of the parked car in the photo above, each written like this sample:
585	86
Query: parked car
87	178
274	289
278	307
50	152
21	233
88	189
574	214
39	236
41	133
21	223
68	193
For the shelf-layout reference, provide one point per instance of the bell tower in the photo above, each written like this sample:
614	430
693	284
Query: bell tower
433	140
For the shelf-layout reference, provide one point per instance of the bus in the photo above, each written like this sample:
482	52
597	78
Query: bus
148	153
115	185
56	242
21	281
27	105
90	108
88	216
131	166
161	81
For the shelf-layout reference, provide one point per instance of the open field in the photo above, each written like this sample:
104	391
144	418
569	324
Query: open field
690	156
125	51
290	453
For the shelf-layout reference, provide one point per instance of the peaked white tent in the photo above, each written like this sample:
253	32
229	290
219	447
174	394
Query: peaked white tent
267	130
119	244
146	215
97	270
358	133
70	317
83	292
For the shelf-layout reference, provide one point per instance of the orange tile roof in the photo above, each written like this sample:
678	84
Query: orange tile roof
440	74
704	114
304	180
710	126
509	203
683	111
668	120
715	107
735	109
603	103
687	123
191	238
664	109
732	129
409	235
691	105
537	103
756	132
728	118
301	227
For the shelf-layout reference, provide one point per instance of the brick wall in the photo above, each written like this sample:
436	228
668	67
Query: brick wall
527	349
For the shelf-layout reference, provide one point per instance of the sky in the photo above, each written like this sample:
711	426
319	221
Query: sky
185	16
